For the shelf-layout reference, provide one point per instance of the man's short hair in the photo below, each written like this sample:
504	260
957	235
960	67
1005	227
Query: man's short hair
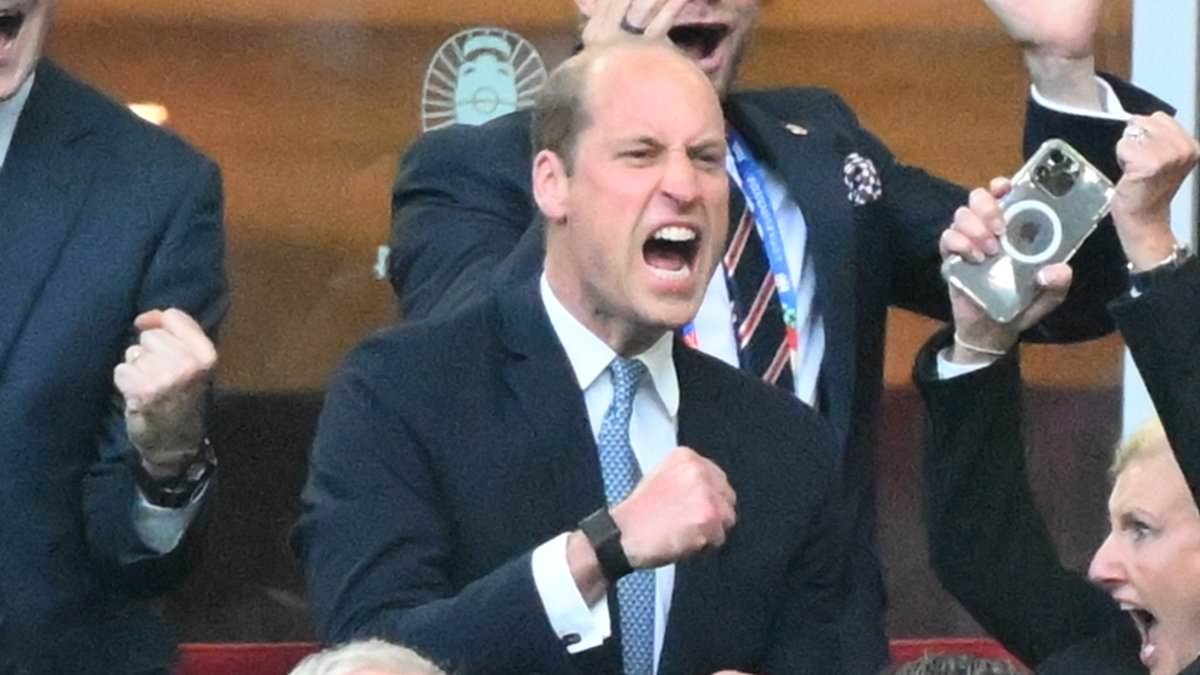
561	112
377	654
1148	439
956	664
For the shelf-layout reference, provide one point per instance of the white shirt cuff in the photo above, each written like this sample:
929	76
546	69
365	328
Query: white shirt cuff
1113	110
579	627
947	369
161	528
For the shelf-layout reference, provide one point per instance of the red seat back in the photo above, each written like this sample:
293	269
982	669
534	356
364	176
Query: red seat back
277	658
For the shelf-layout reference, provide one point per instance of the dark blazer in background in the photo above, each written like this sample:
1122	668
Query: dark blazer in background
987	542
448	450
464	223
102	217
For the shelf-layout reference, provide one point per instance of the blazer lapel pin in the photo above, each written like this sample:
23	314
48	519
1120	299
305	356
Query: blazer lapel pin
795	129
862	179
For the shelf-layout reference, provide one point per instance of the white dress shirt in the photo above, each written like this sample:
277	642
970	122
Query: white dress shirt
653	430
10	111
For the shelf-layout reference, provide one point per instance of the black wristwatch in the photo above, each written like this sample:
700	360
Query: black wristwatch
176	491
605	537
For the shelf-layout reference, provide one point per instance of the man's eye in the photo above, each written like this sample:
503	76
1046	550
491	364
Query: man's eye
639	155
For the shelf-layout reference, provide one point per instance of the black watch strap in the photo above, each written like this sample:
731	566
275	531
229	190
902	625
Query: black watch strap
605	537
176	491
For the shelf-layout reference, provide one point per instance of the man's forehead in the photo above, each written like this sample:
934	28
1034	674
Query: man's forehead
664	131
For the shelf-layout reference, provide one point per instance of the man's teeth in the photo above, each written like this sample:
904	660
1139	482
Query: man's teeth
675	234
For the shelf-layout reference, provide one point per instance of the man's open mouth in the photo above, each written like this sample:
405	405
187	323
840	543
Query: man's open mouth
698	40
1145	622
11	21
671	251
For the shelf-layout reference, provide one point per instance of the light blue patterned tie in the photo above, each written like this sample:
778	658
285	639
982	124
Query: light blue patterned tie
618	465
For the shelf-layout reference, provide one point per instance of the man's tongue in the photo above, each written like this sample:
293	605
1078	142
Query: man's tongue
698	42
665	257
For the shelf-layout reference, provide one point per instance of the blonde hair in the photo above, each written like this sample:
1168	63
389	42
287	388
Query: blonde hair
1149	439
354	656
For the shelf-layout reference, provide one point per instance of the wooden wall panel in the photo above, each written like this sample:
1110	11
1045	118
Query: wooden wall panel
307	105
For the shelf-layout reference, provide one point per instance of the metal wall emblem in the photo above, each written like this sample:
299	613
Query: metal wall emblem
480	74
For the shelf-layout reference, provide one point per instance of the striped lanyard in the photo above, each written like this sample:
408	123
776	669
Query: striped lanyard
754	187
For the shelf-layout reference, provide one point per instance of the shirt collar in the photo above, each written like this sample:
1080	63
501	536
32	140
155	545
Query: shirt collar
10	111
589	355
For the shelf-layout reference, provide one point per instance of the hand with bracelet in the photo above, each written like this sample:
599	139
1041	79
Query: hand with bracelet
1156	154
974	235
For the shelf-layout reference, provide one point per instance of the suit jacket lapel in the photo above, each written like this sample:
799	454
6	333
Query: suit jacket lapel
811	165
42	184
540	378
691	621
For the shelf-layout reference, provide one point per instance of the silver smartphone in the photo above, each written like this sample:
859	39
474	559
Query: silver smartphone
1057	199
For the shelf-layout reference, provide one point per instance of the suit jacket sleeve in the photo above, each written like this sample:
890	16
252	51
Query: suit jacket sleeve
186	271
460	206
988	545
378	547
1162	330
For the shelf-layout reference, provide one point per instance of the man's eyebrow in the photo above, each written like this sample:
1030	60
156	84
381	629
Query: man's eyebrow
643	139
708	144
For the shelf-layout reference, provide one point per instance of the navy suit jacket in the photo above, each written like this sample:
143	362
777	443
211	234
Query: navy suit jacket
448	450
101	218
464	223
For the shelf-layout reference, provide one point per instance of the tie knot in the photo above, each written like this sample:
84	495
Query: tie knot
626	374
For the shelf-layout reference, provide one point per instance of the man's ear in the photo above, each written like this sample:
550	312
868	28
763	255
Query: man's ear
551	185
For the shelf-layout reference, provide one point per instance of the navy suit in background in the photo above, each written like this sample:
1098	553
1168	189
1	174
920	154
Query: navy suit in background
464	223
448	450
102	217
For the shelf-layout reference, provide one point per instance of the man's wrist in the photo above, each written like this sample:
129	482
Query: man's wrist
173	485
585	568
1066	81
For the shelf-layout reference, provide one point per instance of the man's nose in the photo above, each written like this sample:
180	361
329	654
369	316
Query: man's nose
681	181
